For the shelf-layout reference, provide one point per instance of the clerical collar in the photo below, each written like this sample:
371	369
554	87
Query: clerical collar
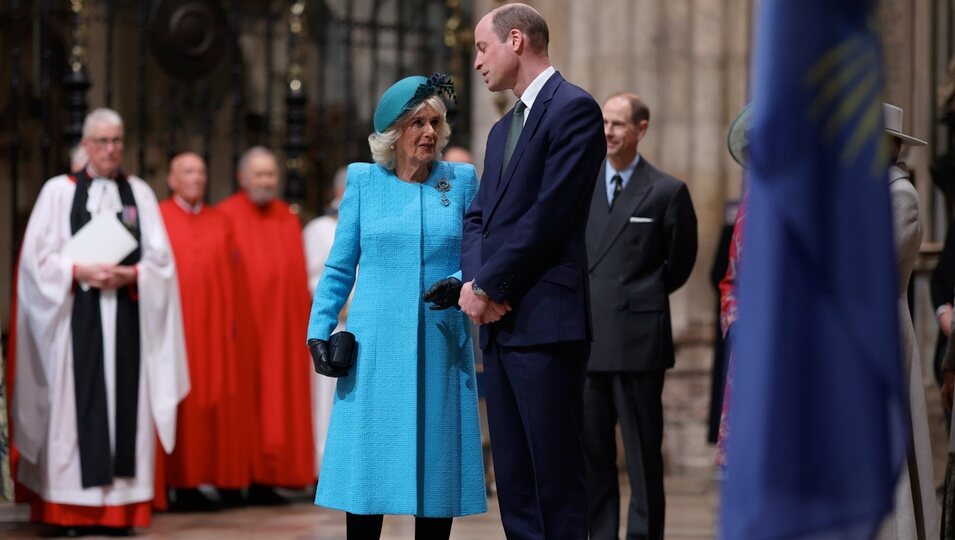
94	176
188	208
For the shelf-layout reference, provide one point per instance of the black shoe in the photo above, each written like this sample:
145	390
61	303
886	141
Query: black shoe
66	532
116	531
191	500
260	495
231	498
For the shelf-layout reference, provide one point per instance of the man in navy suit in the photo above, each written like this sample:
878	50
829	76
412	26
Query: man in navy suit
524	266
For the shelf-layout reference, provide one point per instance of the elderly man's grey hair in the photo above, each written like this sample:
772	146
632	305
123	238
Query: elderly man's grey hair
382	145
99	116
251	153
78	158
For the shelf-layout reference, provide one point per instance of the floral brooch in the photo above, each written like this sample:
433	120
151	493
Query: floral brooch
444	187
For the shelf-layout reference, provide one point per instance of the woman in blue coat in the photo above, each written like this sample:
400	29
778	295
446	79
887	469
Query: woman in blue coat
404	435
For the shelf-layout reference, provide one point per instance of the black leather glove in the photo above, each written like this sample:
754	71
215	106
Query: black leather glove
321	358
444	293
334	358
320	354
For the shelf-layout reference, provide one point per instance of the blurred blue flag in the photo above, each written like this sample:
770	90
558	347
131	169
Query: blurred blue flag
818	421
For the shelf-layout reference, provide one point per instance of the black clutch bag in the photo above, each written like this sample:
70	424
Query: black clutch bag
335	357
343	350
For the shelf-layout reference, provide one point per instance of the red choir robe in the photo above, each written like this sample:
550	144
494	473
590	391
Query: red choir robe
213	436
273	260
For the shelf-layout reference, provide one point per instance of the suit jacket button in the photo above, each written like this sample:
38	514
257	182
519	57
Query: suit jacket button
485	234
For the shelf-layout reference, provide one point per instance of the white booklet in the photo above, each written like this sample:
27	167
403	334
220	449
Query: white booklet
103	240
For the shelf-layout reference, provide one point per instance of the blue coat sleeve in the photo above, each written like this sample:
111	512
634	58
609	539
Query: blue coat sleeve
471	237
468	176
337	280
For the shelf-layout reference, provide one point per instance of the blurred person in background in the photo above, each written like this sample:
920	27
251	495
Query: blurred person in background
269	240
213	445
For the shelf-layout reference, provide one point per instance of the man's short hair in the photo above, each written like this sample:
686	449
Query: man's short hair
524	18
252	152
638	109
102	115
177	158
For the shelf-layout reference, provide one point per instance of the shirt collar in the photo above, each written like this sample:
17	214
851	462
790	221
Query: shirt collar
626	172
530	93
188	208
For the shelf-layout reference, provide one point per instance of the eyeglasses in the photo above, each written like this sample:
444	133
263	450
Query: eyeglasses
104	141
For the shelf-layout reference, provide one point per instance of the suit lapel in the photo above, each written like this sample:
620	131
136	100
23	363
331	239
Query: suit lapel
492	162
599	209
527	133
629	200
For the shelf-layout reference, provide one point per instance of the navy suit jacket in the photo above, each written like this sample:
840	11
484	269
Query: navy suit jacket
524	233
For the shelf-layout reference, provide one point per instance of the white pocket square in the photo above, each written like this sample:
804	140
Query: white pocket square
641	220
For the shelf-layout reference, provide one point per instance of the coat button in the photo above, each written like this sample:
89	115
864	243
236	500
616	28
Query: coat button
485	234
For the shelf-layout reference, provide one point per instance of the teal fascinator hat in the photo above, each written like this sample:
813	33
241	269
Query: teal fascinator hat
406	94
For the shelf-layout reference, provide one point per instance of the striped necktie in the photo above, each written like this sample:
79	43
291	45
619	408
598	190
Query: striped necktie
617	188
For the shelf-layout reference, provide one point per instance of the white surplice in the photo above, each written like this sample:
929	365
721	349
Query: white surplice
44	407
318	237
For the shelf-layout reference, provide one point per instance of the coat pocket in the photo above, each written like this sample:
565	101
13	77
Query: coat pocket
646	302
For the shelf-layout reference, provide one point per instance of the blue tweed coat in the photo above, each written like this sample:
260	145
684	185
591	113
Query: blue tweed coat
404	435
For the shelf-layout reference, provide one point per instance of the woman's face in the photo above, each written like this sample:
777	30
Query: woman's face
419	137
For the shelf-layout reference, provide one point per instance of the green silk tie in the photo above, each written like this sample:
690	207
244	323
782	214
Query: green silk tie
514	133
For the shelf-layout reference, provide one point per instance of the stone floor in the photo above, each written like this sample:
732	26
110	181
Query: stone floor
691	507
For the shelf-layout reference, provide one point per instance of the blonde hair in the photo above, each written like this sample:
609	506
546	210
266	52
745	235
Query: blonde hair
382	145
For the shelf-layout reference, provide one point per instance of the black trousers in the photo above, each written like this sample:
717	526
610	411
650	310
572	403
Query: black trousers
368	527
635	399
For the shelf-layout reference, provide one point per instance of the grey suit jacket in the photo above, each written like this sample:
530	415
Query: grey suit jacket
639	253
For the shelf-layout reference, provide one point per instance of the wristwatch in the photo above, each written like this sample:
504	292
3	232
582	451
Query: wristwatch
477	290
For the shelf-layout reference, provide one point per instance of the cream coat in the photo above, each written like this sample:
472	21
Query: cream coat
901	523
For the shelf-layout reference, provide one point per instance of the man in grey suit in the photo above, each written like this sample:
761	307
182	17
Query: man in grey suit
641	246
